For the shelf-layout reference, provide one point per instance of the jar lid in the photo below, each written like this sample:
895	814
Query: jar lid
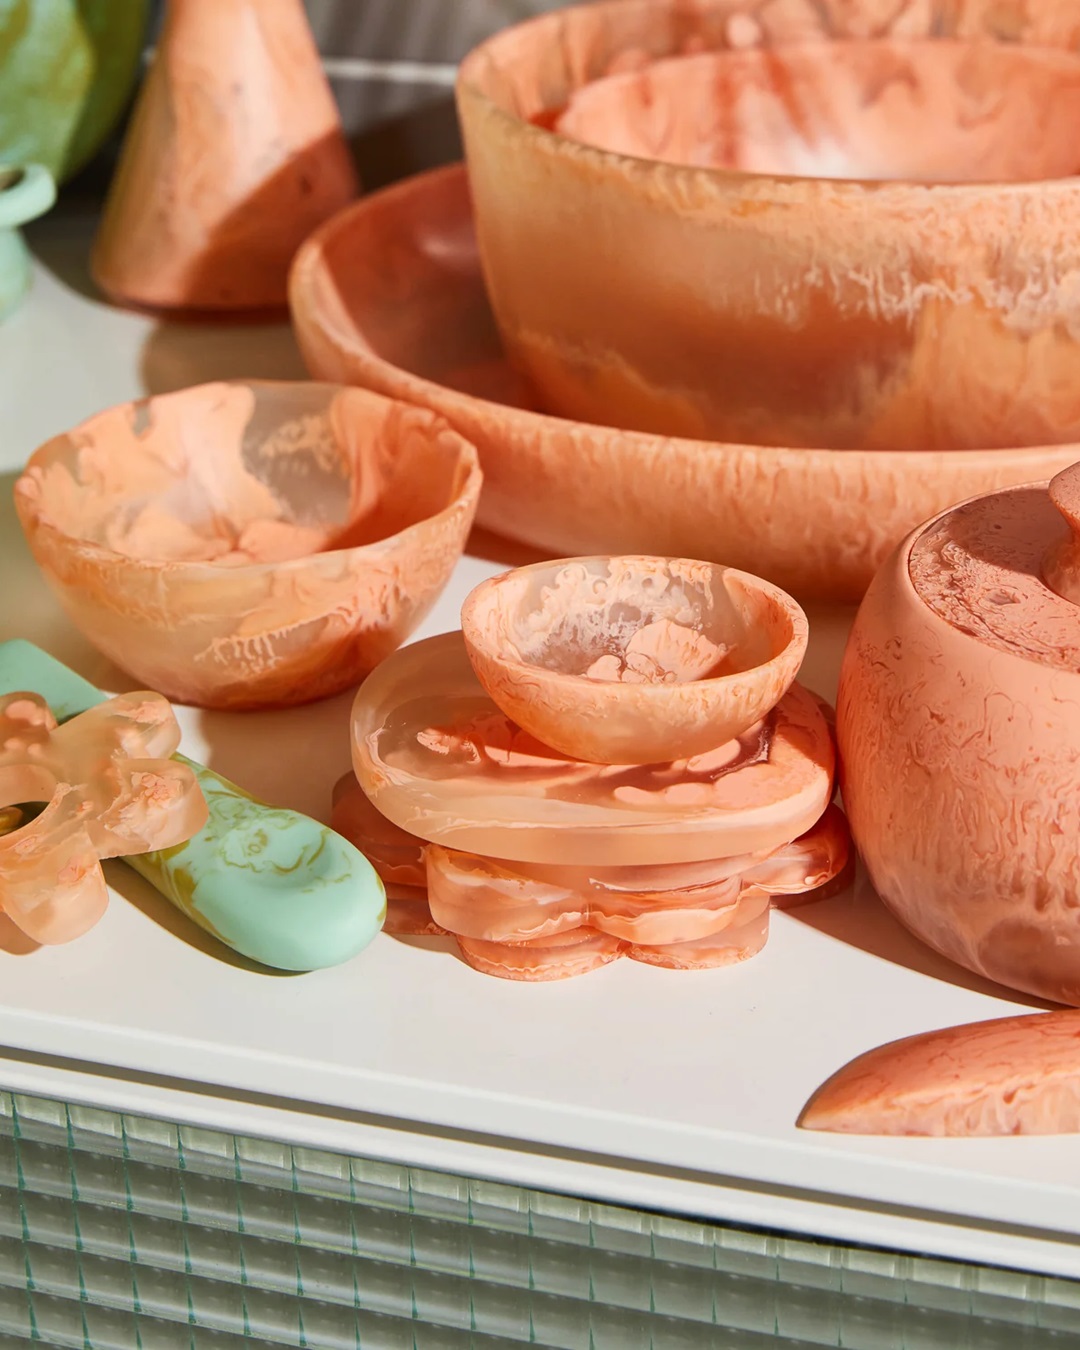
1005	569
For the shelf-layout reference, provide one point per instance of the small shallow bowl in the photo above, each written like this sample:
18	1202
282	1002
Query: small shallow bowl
779	308
243	545
633	660
389	295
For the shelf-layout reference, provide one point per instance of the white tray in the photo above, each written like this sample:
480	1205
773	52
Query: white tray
637	1085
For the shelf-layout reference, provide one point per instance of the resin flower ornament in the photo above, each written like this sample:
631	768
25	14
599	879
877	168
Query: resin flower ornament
110	790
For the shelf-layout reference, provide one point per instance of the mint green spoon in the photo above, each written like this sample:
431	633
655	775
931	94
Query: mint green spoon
273	885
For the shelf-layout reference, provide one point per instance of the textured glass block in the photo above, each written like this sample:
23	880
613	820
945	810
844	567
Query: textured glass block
123	1231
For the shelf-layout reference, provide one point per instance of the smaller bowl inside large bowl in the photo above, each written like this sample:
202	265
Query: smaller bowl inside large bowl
242	545
930	111
633	660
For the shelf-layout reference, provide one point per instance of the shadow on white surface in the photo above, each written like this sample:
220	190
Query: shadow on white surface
61	243
30	611
129	888
290	758
859	919
13	941
179	354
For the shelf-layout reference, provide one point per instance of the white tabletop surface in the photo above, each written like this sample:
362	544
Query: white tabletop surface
635	1085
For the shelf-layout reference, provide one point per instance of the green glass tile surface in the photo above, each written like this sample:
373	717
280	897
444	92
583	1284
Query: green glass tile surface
123	1231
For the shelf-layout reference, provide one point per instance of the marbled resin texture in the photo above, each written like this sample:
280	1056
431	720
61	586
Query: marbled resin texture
238	545
633	660
275	886
108	788
1017	1075
389	295
545	921
858	313
957	721
234	154
443	762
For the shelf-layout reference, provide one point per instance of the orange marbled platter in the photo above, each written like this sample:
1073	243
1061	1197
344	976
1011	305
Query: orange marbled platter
443	762
389	295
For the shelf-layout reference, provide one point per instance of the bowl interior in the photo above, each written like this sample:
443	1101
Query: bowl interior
627	620
239	474
923	111
401	277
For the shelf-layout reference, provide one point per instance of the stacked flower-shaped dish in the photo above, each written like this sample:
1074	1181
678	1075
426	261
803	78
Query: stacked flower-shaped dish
691	784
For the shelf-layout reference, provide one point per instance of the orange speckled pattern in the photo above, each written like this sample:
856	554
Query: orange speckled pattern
240	545
389	295
234	154
633	660
1017	1075
843	314
110	789
957	722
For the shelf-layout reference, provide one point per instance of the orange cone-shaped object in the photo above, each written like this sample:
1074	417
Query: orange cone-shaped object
235	153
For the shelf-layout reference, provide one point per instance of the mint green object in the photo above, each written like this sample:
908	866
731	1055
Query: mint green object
67	70
273	885
25	193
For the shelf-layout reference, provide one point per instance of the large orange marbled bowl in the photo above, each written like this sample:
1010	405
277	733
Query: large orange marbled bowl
389	295
241	545
878	272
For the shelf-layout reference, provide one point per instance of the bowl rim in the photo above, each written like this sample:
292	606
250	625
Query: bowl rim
469	84
794	647
311	262
465	498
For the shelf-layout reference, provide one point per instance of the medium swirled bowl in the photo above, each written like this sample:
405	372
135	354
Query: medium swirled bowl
243	545
777	308
389	295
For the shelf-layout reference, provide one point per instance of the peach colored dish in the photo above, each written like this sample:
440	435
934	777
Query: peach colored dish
959	738
1017	1075
110	790
243	545
443	762
389	295
234	154
843	314
633	660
